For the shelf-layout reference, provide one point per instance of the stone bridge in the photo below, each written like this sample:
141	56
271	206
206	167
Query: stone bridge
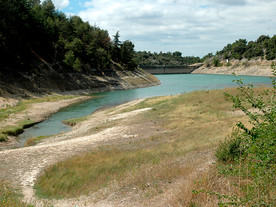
171	69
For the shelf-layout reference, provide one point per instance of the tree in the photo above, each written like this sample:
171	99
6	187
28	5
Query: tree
116	47
216	62
127	54
48	8
263	38
177	54
33	3
69	58
102	58
116	41
238	48
76	46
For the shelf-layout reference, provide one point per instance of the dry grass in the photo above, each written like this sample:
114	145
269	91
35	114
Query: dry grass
10	197
196	191
184	124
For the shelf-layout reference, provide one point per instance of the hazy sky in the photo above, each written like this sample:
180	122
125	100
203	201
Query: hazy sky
193	27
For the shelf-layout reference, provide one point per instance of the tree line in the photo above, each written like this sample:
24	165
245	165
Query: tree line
264	47
30	30
145	58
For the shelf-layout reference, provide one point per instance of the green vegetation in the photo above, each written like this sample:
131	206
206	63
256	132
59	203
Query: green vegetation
169	59
32	32
228	64
9	197
216	62
263	47
3	137
249	153
12	130
74	121
34	140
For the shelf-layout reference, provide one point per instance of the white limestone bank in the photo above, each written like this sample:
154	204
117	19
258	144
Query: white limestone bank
256	67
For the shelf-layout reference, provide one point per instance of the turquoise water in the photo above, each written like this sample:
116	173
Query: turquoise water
170	85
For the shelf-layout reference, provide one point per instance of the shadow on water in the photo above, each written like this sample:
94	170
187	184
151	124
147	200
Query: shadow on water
170	85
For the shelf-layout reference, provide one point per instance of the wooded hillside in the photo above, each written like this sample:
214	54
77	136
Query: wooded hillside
32	33
264	47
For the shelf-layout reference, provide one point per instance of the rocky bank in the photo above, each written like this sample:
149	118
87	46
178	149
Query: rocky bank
254	67
52	81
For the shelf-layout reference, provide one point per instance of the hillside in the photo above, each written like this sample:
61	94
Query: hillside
50	80
255	67
242	58
44	50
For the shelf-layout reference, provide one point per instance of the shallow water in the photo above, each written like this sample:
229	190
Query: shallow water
170	85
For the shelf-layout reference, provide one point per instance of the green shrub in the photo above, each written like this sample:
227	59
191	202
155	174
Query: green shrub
230	149
252	150
3	137
272	65
228	64
216	62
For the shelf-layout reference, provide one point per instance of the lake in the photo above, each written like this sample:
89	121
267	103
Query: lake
170	85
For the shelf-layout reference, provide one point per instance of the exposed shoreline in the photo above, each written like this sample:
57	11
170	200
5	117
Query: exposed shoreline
242	67
39	112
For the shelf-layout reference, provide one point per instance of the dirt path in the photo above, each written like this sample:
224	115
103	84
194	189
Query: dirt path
23	165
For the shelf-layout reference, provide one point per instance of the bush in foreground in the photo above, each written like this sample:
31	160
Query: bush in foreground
249	153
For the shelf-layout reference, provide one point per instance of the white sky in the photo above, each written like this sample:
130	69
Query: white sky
193	27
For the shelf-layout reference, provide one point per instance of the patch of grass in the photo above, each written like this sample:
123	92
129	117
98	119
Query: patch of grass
50	99
25	123
34	140
78	175
5	113
10	197
195	191
74	121
3	137
30	142
12	130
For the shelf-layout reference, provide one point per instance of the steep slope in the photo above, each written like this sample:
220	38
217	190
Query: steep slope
49	80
